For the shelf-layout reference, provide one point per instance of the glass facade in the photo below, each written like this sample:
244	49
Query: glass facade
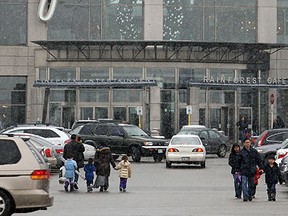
210	20
13	22
97	19
12	100
282	21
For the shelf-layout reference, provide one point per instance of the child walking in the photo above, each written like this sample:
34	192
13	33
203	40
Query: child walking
89	170
125	170
236	175
70	167
272	176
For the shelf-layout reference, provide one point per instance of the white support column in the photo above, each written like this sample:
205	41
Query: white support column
153	20
155	109
194	102
267	21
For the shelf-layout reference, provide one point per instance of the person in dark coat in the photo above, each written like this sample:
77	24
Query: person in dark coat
76	149
272	176
103	159
243	127
278	123
247	162
236	175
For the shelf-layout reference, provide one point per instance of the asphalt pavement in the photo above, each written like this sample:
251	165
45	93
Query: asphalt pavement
155	190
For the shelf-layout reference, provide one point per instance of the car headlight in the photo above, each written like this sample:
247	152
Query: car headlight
148	143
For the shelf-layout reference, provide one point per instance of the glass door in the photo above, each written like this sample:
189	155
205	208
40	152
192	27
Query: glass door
68	116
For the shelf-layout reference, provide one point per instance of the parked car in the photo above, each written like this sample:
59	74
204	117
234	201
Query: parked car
124	139
82	122
214	142
53	153
186	149
24	177
282	152
272	136
52	133
267	150
283	165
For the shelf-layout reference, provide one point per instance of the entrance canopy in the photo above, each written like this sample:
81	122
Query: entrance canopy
160	51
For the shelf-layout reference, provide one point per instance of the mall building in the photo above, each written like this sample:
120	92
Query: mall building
104	58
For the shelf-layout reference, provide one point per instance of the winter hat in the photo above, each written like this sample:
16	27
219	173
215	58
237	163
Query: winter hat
271	157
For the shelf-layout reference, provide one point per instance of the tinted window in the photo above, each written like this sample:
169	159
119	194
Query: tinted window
88	129
43	133
279	137
204	134
9	152
102	130
214	135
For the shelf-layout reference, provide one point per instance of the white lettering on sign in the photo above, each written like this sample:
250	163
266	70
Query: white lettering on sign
243	80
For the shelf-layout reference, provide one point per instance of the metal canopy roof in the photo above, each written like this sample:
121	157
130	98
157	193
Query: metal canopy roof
160	51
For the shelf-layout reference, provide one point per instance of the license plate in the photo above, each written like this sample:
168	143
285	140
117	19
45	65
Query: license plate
185	159
160	151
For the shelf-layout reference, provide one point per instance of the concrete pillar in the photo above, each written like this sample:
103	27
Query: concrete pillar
37	30
153	20
267	21
194	102
155	109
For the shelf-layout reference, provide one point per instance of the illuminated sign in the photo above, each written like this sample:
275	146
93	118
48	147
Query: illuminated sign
94	83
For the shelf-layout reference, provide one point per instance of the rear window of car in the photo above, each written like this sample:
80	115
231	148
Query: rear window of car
278	137
185	141
43	133
9	152
190	132
35	152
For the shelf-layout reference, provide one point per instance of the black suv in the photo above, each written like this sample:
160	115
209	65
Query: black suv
124	139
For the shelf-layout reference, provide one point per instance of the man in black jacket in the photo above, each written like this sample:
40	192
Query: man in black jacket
247	162
76	149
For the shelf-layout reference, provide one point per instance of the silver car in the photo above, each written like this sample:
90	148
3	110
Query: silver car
24	177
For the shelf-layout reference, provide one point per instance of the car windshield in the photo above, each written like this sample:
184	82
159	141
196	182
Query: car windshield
185	141
194	131
285	144
134	131
76	130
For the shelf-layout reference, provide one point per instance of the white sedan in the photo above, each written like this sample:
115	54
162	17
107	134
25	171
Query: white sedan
187	149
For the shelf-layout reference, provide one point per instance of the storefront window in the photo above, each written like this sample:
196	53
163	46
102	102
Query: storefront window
101	112
12	100
63	96
188	74
13	25
164	76
127	95
62	73
86	113
96	20
127	73
210	20
101	95
183	96
94	73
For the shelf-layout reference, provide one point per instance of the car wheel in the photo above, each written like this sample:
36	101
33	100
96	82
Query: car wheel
5	205
168	164
157	158
203	164
222	151
136	156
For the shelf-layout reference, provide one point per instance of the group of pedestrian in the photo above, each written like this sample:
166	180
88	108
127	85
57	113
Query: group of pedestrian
247	166
100	164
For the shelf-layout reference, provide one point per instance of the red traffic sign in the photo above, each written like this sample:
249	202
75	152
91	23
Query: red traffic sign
272	99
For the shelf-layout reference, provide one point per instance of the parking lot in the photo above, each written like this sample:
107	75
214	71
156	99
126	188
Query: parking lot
155	190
